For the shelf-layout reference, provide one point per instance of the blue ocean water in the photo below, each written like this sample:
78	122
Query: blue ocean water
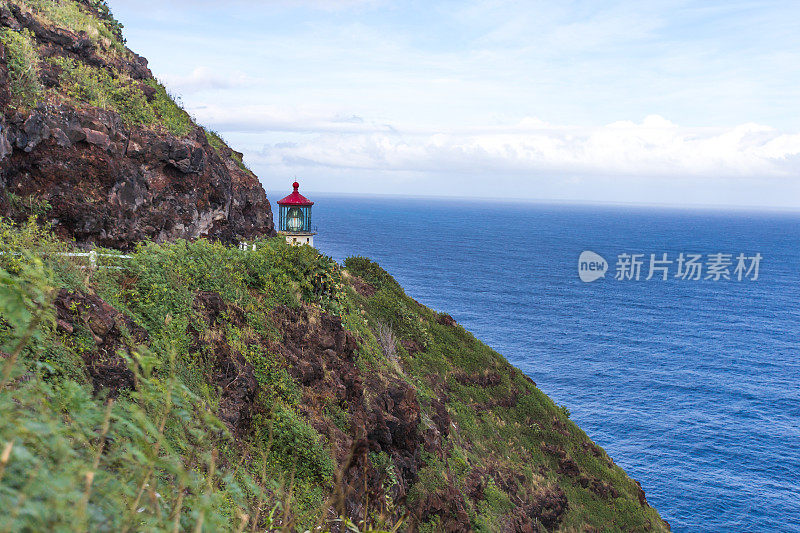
693	387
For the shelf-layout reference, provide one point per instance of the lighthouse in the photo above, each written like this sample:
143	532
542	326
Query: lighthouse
294	218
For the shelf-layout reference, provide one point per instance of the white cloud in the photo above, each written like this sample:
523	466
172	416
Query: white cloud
652	147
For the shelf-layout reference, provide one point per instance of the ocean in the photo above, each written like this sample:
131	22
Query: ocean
691	385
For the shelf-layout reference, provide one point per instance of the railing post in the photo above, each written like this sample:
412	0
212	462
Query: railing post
93	260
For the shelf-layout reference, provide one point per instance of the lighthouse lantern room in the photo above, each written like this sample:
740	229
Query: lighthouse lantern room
294	218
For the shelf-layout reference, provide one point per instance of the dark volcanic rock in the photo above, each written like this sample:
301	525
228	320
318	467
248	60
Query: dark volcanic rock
549	505
113	186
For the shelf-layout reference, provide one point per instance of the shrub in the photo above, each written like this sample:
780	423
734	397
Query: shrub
22	59
371	272
387	340
75	17
224	151
113	25
296	446
154	459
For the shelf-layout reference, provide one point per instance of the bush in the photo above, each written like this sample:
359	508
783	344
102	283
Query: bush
154	459
22	59
76	18
371	272
224	151
296	446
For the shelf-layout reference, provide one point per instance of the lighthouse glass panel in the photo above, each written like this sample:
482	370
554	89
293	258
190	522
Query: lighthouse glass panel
294	219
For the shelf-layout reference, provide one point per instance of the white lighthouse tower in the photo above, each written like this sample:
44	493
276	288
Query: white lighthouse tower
294	218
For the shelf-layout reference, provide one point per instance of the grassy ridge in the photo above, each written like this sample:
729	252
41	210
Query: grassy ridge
157	455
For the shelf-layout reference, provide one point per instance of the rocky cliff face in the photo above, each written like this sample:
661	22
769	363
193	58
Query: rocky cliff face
112	174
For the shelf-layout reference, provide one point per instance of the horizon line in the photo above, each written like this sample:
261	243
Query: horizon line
557	202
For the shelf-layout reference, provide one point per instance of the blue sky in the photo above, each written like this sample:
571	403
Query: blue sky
662	102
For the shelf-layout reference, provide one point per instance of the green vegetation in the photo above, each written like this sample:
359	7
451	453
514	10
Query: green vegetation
85	82
96	87
153	458
503	421
216	142
157	456
22	58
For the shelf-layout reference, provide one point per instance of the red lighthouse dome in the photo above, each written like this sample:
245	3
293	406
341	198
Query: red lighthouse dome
295	198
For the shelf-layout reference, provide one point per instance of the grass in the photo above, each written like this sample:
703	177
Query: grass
82	82
157	457
170	115
96	87
23	66
507	436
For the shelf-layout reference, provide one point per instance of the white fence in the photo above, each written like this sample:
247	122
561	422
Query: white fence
94	256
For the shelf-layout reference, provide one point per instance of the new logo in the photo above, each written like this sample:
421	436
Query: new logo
591	266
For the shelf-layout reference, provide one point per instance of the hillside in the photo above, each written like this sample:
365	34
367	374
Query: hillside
109	157
275	380
194	386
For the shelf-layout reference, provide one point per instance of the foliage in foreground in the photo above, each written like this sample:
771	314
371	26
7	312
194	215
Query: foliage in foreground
157	457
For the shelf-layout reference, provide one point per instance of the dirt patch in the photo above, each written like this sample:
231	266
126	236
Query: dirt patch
111	331
641	495
554	449
230	371
412	346
590	447
364	288
320	356
448	503
602	488
560	427
446	320
506	402
549	505
568	467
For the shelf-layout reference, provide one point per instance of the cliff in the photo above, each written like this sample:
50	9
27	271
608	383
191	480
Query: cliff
96	141
196	386
273	388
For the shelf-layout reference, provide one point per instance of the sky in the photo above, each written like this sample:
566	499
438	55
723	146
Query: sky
658	102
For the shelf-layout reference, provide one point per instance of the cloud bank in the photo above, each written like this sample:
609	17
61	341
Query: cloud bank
652	147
